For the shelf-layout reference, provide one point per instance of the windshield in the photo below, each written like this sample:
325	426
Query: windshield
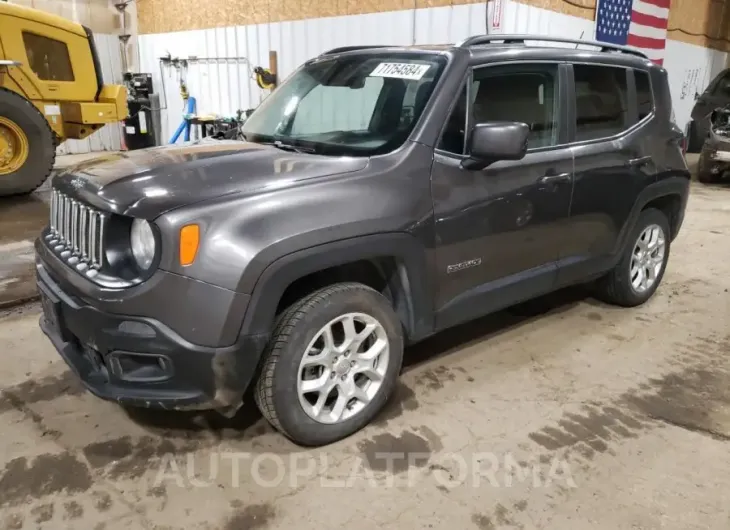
357	105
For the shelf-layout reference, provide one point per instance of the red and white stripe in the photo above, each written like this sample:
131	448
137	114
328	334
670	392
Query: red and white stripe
648	28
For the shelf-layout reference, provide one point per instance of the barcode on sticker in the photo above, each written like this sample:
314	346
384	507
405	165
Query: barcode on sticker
401	70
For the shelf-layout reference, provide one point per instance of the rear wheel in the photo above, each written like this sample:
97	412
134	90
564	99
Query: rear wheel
694	142
331	365
27	145
641	269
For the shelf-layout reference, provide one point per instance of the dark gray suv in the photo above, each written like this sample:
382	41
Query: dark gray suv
382	194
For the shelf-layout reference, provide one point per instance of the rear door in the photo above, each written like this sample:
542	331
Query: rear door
614	136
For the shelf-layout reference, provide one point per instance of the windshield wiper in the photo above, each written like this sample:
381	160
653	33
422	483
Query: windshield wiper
289	147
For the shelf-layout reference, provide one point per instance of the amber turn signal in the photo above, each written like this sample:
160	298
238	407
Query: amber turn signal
189	241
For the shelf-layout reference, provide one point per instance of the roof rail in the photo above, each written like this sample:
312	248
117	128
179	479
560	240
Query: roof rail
520	39
344	49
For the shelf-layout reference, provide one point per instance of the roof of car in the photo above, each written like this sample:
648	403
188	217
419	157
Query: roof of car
499	48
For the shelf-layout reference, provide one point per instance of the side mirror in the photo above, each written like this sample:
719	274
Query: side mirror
493	141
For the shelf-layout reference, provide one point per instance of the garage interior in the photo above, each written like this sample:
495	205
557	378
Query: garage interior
562	412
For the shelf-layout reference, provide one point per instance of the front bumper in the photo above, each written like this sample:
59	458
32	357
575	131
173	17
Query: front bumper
139	361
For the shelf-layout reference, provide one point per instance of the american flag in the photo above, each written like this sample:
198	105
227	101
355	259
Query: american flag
638	23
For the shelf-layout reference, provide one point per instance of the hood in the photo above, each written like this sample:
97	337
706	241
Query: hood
150	182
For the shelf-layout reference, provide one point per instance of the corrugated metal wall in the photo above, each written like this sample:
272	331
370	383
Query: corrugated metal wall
99	15
107	138
223	87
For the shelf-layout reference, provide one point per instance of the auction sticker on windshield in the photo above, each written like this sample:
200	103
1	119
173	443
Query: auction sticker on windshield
401	70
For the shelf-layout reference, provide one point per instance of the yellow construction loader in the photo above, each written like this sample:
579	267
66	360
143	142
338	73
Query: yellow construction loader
51	90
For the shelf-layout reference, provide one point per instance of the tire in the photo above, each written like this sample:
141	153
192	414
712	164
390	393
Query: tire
704	175
41	143
616	287
299	327
694	142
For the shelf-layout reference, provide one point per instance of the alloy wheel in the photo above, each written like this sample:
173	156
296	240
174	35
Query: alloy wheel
647	259
343	368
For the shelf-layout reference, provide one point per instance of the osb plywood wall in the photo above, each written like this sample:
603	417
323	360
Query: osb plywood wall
159	16
702	22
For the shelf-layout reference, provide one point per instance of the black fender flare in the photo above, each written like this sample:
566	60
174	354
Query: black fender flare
413	278
676	184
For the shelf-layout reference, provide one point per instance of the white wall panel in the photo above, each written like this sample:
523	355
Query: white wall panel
690	69
226	86
108	138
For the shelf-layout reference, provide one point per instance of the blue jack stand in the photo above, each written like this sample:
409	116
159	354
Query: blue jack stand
185	124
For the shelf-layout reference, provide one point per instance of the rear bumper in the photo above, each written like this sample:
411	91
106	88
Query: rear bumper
718	142
721	156
139	361
716	155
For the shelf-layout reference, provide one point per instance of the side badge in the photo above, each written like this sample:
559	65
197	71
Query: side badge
456	267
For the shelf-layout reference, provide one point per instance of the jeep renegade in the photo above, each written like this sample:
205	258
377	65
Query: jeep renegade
382	194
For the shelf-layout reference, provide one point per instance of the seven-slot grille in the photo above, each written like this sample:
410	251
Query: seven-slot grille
77	231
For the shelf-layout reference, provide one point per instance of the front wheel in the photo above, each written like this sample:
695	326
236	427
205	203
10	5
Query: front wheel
331	364
641	269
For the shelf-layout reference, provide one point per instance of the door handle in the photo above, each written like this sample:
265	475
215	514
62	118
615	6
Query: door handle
637	162
554	177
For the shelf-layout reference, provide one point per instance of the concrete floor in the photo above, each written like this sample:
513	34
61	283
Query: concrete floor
564	414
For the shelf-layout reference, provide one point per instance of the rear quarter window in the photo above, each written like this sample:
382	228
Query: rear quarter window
644	95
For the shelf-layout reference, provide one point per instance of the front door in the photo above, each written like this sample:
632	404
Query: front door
499	230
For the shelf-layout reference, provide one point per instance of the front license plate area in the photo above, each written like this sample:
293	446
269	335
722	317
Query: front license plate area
52	312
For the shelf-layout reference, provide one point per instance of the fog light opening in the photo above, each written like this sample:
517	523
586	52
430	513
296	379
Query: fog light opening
141	367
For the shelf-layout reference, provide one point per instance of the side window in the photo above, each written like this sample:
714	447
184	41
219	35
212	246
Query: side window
48	58
644	96
454	133
524	93
601	101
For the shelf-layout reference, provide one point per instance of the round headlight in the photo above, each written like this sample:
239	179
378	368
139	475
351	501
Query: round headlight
143	243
